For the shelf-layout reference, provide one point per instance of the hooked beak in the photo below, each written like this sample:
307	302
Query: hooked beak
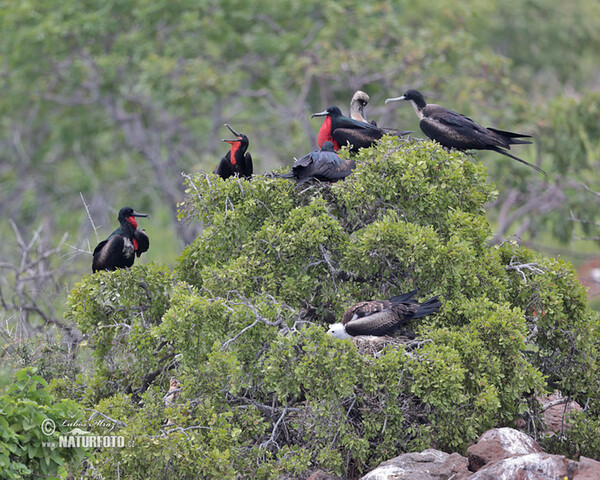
324	113
138	214
388	100
238	135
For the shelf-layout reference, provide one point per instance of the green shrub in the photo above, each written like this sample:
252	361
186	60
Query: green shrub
26	407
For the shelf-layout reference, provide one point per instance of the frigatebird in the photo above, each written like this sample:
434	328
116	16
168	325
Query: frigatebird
380	317
121	247
342	130
357	107
235	162
454	130
324	165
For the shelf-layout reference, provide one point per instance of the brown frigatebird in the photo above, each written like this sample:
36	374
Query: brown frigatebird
324	165
342	130
236	161
122	245
381	317
454	130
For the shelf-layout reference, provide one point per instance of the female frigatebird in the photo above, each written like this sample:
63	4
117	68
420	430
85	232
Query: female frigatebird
341	130
380	317
235	162
454	130
324	165
120	248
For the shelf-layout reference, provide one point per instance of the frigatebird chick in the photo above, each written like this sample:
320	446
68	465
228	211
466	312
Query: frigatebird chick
324	165
381	317
121	247
454	130
357	107
341	130
235	162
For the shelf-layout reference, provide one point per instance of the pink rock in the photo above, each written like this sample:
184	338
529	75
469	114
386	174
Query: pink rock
533	466
587	469
498	444
428	465
554	417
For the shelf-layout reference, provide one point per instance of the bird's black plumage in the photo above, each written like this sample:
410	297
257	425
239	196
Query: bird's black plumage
454	130
121	247
324	165
236	161
342	130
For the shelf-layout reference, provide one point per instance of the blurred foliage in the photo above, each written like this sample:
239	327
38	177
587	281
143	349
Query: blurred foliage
241	324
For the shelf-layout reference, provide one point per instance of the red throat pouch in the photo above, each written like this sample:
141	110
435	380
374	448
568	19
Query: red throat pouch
325	134
132	221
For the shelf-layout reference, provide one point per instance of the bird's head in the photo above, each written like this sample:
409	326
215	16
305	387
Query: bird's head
128	214
411	95
337	330
240	138
331	112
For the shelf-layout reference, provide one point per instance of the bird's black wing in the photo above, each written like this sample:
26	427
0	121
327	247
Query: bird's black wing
358	138
107	253
378	323
142	240
247	168
454	130
224	169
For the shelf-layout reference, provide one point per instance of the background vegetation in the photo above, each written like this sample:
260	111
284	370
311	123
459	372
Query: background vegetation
106	103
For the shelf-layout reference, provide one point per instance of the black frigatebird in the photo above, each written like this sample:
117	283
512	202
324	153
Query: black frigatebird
324	165
380	317
341	130
454	130
235	162
121	247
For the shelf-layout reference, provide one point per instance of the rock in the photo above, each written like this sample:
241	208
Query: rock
586	469
498	444
321	475
554	417
427	465
533	466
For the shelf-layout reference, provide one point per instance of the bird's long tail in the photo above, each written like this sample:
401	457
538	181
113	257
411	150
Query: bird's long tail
427	308
504	152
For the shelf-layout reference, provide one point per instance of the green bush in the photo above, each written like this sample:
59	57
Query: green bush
25	406
266	393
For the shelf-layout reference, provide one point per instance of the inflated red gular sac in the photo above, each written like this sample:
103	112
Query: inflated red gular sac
236	161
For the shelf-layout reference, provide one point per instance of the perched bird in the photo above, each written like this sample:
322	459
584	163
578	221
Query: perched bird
174	392
454	130
120	248
380	317
235	162
341	130
324	165
172	396
357	107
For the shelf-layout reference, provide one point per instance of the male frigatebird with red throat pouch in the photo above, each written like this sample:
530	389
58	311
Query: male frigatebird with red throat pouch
454	130
324	165
237	161
341	130
121	247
